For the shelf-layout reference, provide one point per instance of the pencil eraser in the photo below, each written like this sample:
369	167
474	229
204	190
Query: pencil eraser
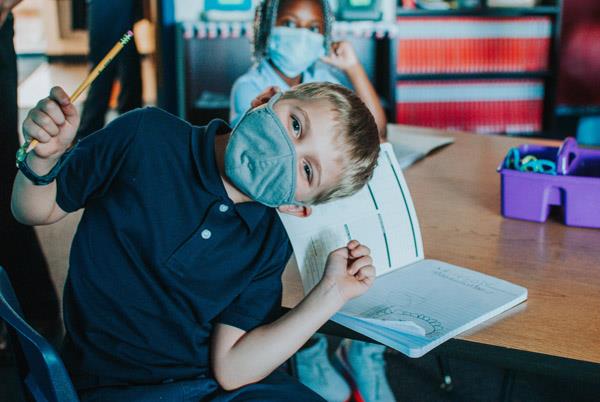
130	33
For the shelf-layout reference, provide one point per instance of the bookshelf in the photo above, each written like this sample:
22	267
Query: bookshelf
483	11
549	10
378	51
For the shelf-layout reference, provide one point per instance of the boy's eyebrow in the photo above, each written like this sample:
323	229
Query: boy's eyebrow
306	120
318	168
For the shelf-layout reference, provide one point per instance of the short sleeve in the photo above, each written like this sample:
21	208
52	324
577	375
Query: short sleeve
95	161
260	302
242	94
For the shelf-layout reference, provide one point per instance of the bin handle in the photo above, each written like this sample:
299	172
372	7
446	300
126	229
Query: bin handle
564	162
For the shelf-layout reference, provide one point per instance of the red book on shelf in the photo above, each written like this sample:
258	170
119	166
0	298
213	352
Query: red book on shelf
482	106
409	4
472	44
468	55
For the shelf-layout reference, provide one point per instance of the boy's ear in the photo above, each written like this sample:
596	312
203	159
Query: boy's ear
264	97
296	210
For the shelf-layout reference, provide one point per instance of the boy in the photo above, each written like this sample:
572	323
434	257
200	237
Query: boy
174	279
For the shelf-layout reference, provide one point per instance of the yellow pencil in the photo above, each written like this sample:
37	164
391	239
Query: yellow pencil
28	146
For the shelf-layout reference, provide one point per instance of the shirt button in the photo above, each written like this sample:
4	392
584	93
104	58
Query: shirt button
206	234
223	208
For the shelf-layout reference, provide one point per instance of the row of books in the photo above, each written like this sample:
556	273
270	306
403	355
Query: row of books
512	106
237	29
472	44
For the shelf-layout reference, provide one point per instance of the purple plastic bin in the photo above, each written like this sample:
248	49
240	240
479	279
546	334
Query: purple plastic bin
576	187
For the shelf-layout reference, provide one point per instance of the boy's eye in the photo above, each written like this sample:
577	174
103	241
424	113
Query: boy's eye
289	24
308	172
315	28
296	127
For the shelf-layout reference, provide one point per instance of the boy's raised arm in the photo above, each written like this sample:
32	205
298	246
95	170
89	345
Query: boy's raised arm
53	122
240	358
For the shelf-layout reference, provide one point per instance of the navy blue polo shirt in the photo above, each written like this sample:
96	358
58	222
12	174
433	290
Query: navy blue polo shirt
161	253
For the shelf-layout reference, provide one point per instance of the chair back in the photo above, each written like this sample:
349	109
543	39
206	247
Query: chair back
42	372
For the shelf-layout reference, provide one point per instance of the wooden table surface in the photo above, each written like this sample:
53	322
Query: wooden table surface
456	192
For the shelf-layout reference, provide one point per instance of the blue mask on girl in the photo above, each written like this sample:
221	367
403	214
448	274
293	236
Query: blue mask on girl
293	50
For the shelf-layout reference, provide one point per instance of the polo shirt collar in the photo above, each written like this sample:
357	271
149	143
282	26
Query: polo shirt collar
203	151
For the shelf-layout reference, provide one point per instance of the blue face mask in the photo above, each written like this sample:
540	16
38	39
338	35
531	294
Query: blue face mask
293	50
260	158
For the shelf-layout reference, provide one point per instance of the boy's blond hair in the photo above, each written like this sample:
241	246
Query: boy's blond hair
357	135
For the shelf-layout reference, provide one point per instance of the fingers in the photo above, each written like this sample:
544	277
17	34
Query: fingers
335	46
358	254
264	96
52	109
352	244
273	89
44	121
69	111
357	249
341	252
259	100
366	274
340	47
60	96
359	263
32	130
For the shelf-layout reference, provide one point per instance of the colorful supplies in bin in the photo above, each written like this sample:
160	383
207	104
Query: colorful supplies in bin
529	163
534	178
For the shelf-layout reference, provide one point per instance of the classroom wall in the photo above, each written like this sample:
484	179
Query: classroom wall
188	10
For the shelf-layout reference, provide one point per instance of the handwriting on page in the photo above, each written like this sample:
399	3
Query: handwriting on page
479	285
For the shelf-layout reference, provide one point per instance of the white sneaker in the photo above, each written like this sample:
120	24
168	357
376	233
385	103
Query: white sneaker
364	366
316	372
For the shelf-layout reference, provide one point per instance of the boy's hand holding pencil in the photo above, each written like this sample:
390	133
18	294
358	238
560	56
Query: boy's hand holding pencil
30	144
53	123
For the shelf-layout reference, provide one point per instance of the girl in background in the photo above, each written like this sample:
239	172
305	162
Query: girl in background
292	45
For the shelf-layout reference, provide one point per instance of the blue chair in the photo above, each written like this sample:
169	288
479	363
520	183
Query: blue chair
43	374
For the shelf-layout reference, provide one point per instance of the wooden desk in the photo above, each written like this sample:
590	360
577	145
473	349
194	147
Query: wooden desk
456	192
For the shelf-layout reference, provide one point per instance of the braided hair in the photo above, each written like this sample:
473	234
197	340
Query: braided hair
266	16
